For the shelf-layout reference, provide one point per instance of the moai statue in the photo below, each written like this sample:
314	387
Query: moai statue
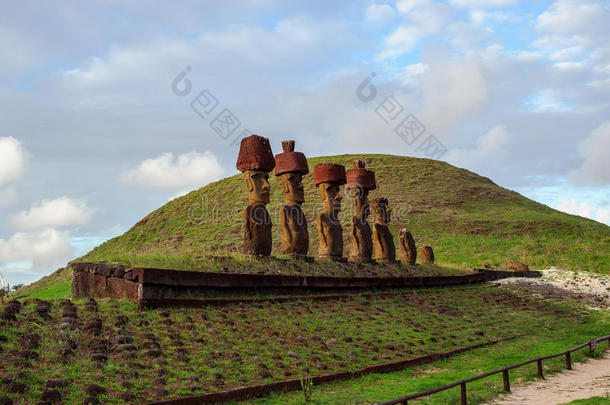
408	253
329	177
383	241
291	166
426	255
256	160
359	182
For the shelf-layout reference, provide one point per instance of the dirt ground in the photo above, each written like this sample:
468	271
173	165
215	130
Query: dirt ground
585	380
591	288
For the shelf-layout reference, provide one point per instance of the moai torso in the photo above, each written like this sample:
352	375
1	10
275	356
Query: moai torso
331	237
361	249
385	251
408	253
257	230
295	238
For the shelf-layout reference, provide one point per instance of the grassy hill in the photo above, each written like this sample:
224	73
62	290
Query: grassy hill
467	218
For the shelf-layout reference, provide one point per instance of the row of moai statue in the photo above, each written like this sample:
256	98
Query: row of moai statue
256	160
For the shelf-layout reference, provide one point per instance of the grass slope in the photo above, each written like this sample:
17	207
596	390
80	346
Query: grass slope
173	352
468	219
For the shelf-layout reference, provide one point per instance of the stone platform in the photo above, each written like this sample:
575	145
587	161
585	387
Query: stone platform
101	280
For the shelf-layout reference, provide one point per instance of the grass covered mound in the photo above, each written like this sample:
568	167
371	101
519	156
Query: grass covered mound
135	356
468	219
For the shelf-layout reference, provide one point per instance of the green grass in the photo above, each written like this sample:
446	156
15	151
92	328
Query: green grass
371	389
54	286
469	220
250	344
590	401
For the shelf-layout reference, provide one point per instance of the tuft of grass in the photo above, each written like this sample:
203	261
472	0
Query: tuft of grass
591	401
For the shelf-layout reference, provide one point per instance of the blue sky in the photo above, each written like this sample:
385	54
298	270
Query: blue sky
94	136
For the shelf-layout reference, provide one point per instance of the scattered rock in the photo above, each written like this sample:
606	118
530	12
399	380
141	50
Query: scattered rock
126	396
5	400
51	396
91	401
293	355
99	357
17	388
516	266
93	389
56	383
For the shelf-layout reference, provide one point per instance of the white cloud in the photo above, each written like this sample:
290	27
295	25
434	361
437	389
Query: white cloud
379	13
422	19
451	90
596	151
12	160
60	212
47	248
491	147
574	17
8	197
584	209
482	3
167	172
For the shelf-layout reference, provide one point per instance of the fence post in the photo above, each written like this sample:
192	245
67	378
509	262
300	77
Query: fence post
568	361
463	393
505	377
592	345
540	372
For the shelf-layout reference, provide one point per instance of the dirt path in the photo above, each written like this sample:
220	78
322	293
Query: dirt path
586	380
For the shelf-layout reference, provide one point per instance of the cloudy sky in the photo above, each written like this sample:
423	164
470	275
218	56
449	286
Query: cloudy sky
108	109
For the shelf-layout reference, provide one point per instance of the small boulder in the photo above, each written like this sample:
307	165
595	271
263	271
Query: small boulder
516	266
93	389
17	388
56	383
426	255
293	355
51	396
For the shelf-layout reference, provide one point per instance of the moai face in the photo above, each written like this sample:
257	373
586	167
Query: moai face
257	183
383	214
331	198
360	199
293	188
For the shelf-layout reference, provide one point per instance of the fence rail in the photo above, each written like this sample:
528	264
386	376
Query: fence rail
592	344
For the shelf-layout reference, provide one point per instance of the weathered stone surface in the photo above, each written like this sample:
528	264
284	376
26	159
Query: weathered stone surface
17	388
93	389
426	255
56	383
383	241
121	288
52	396
295	236
257	230
359	182
328	177
290	161
99	286
82	285
408	252
255	154
517	266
